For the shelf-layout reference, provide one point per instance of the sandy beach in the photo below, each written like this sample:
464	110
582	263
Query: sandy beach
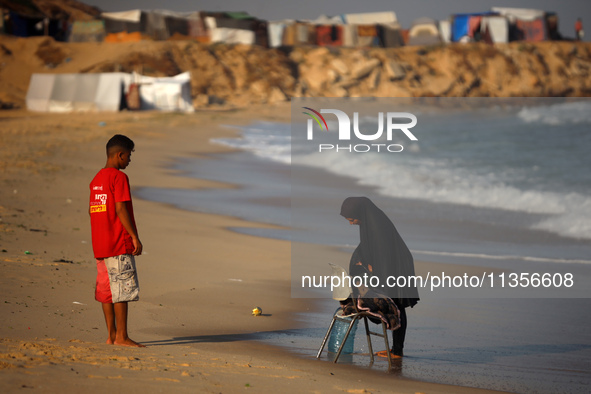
199	281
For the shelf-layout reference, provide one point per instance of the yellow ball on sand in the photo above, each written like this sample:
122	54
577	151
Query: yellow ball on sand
257	311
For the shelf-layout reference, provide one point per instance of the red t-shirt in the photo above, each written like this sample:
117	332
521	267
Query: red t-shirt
109	237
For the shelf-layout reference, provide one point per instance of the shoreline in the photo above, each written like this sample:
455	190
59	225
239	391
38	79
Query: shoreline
53	326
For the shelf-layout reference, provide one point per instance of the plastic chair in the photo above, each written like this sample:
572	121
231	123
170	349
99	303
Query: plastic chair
340	294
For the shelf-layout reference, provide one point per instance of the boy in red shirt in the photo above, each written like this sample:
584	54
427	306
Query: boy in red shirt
115	241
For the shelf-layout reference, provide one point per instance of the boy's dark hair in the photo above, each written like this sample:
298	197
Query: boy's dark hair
120	141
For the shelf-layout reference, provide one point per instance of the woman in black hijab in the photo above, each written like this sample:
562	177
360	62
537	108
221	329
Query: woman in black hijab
383	253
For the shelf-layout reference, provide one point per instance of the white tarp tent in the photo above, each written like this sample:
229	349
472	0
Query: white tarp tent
445	31
327	20
133	16
370	18
165	94
106	92
497	27
275	32
525	14
76	92
232	36
424	31
229	35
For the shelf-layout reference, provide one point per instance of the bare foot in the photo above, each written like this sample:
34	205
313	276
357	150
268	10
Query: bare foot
110	341
128	342
384	354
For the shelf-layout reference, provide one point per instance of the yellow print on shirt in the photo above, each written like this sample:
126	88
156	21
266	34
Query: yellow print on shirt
98	208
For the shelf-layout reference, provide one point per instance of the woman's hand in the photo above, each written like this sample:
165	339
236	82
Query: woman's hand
369	267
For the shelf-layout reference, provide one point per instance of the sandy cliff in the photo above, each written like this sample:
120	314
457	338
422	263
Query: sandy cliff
240	75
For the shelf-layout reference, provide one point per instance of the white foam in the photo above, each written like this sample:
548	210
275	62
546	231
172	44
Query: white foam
504	257
558	114
263	139
435	182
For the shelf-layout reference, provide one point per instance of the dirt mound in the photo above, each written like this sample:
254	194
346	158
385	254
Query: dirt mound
239	75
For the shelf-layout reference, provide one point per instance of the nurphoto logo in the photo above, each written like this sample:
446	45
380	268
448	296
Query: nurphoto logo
344	130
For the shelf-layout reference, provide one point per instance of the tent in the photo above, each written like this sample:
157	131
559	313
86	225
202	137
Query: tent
87	31
445	31
134	25
126	21
328	20
370	18
232	36
467	26
76	92
163	24
276	30
236	28
165	93
496	27
248	31
525	24
552	26
329	35
27	19
30	26
297	33
367	36
424	31
532	31
390	35
106	92
513	14
350	37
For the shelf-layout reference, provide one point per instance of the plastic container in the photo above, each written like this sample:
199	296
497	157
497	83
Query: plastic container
338	334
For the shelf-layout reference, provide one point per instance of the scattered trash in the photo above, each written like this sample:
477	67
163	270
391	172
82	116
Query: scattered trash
257	311
27	252
63	261
102	124
235	280
78	303
36	230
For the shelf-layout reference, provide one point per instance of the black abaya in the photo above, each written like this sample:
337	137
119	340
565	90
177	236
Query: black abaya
384	254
